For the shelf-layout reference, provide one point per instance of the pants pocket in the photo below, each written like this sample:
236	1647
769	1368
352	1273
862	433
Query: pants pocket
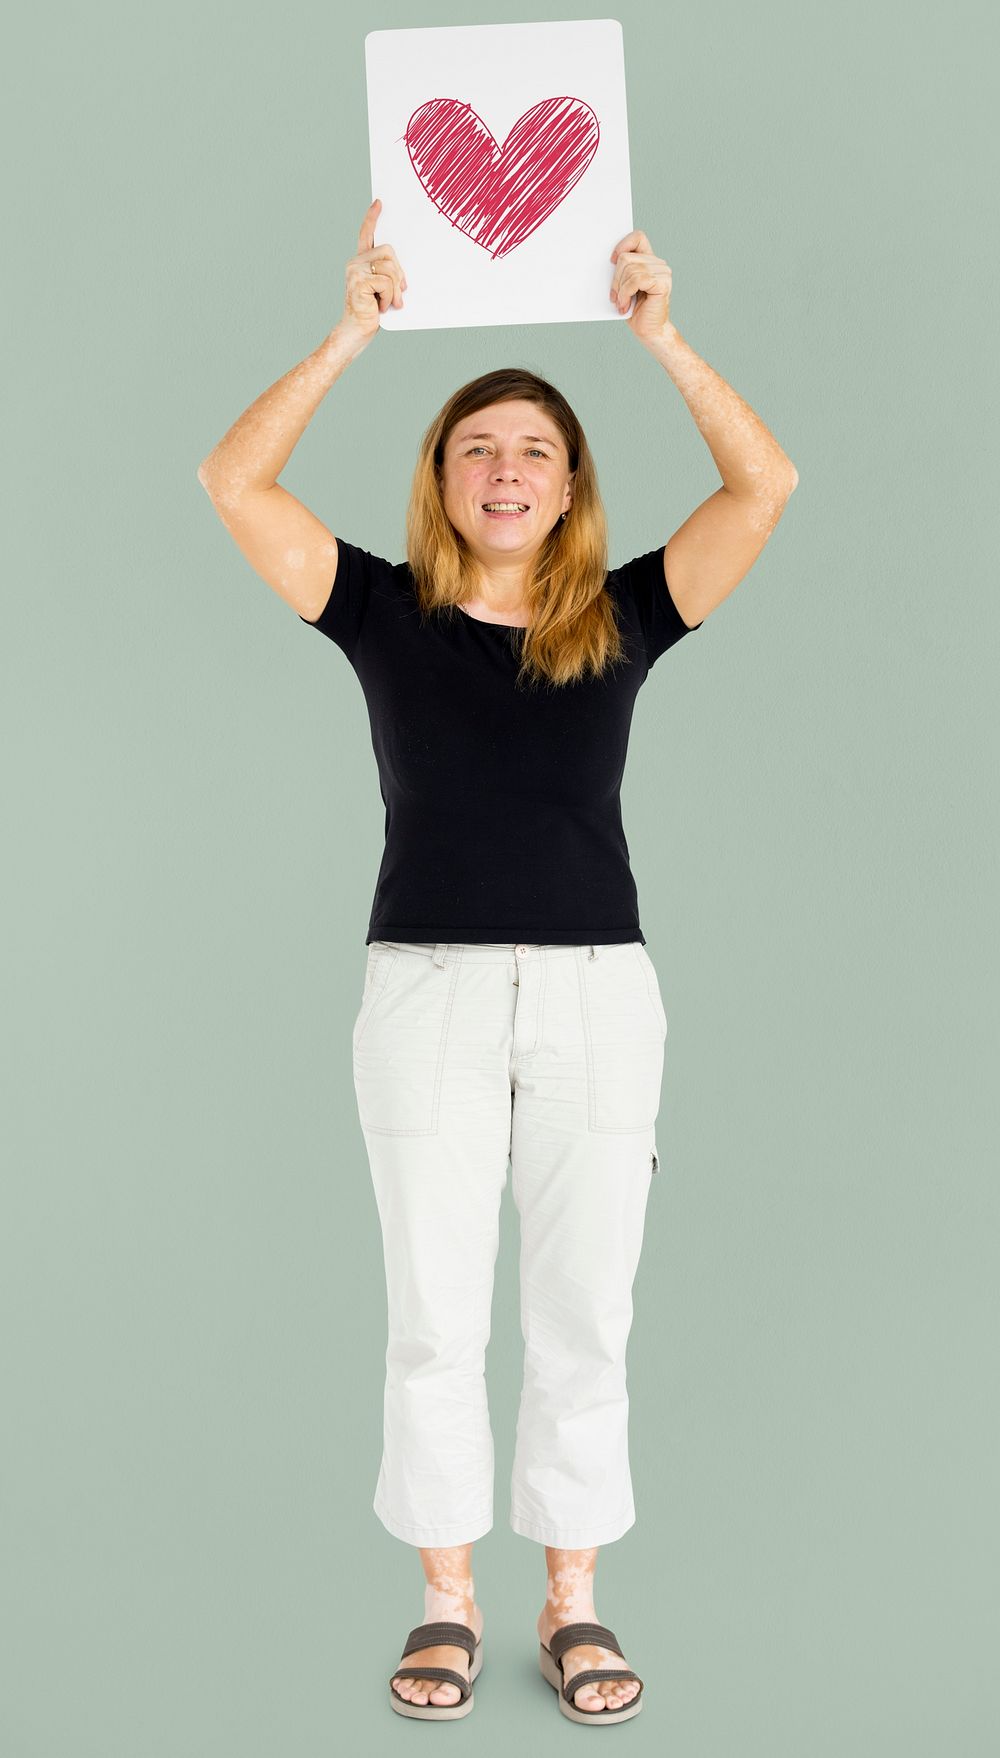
377	968
625	1029
652	985
399	1042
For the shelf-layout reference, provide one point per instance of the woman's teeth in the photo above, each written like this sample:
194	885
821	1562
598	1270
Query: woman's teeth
504	509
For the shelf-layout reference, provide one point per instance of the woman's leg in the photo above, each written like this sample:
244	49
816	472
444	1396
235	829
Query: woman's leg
588	1072
431	1076
583	1153
569	1599
449	1595
432	1080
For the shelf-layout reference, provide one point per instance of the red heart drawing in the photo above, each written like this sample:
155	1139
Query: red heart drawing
498	195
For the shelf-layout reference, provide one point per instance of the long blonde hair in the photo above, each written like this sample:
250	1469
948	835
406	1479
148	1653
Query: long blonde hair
572	622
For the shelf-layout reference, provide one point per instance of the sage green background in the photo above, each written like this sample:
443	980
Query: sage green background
193	1308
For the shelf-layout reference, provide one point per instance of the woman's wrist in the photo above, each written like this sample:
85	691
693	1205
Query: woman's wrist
345	342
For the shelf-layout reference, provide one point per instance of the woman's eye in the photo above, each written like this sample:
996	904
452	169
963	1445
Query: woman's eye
537	449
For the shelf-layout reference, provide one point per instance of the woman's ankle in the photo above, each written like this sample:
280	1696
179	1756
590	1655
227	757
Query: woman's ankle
450	1591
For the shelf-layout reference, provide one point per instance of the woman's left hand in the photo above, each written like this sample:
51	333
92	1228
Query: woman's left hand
638	271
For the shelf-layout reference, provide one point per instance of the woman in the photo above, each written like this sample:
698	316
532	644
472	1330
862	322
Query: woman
510	1012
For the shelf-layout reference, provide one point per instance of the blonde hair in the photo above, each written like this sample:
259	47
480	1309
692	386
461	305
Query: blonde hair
573	627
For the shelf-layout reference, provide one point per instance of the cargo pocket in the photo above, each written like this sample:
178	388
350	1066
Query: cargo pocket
400	1042
625	1031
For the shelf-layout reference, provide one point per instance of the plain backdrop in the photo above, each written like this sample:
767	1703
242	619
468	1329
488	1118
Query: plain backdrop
193	1310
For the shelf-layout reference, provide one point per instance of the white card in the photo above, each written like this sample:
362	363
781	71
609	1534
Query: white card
500	155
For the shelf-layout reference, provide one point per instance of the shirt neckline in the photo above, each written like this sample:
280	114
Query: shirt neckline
484	623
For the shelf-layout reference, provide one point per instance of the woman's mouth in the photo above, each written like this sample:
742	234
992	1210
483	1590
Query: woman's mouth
504	509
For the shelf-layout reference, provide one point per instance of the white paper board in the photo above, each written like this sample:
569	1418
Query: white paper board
500	155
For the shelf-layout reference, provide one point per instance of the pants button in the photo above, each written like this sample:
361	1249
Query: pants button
521	950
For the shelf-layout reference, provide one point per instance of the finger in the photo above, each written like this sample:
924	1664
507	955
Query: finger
385	253
624	290
645	257
366	236
397	266
631	241
386	291
631	260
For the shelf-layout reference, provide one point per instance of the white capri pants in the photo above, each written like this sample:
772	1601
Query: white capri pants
549	1058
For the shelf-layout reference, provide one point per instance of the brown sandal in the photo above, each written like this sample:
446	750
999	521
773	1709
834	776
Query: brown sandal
550	1661
434	1636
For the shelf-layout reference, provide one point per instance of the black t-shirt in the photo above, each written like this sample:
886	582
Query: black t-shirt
502	805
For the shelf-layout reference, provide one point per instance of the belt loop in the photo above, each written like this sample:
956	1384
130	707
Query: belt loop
440	950
595	952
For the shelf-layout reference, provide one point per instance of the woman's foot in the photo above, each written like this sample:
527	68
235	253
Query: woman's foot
439	1691
600	1694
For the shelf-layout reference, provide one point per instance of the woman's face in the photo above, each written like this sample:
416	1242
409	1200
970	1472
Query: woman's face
511	451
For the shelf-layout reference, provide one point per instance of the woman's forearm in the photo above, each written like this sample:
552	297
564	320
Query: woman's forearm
252	455
747	455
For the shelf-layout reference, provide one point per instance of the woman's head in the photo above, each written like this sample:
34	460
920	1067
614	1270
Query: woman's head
507	451
511	436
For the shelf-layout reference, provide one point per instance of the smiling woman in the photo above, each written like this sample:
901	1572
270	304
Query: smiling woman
506	521
510	1011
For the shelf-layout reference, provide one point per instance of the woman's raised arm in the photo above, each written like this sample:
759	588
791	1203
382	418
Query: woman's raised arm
284	542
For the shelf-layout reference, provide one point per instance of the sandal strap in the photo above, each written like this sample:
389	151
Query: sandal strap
438	1635
580	1635
601	1672
445	1673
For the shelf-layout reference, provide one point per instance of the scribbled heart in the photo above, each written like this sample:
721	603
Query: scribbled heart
499	195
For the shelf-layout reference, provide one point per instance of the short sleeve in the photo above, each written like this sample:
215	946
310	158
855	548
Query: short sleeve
342	617
659	619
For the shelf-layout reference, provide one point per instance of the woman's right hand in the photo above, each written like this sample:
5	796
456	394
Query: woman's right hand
367	295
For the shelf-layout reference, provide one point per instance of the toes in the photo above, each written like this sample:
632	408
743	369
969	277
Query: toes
589	1699
420	1691
446	1694
592	1699
622	1693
